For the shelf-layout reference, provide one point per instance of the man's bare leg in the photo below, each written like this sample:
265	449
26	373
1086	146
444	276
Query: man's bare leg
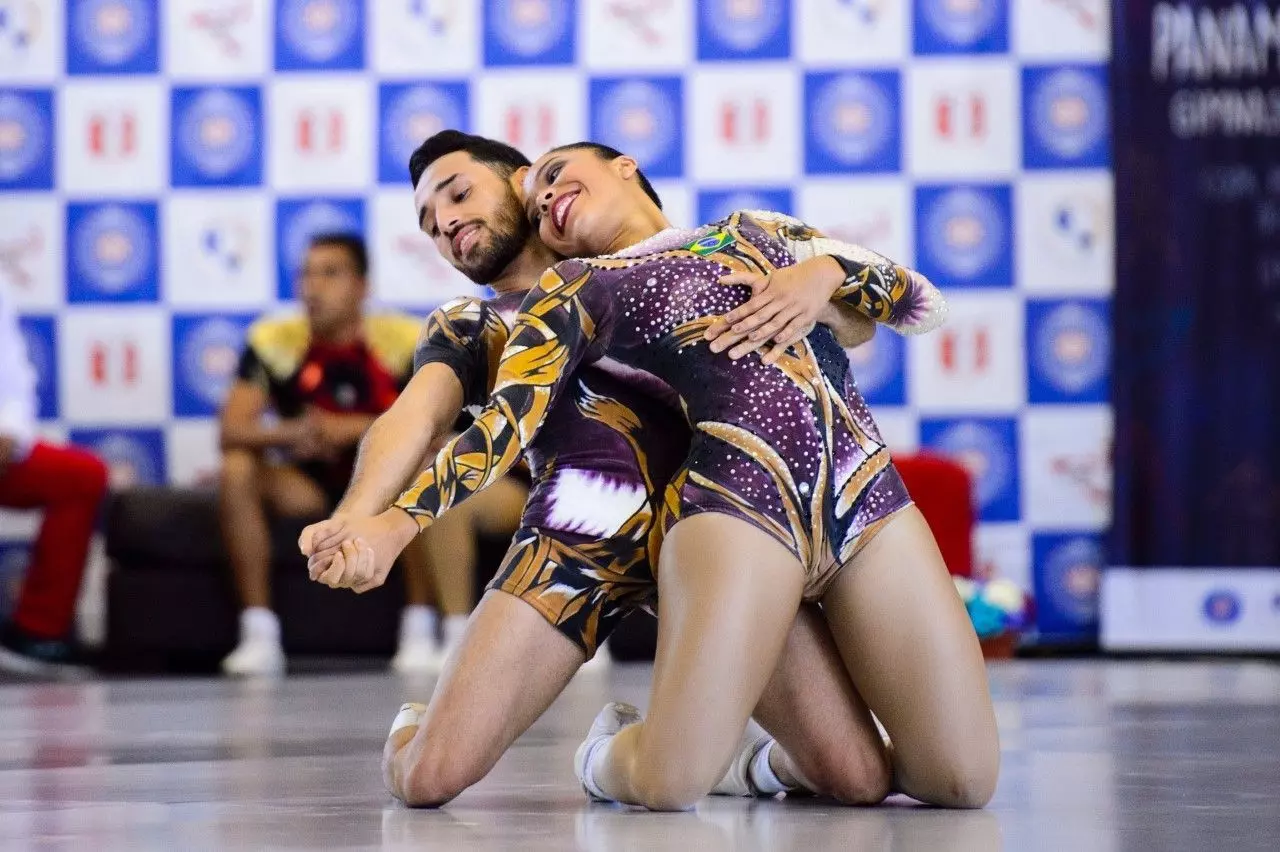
509	666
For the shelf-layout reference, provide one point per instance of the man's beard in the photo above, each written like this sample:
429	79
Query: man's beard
511	230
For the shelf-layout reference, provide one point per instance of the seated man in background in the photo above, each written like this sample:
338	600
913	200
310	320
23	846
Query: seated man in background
68	484
325	375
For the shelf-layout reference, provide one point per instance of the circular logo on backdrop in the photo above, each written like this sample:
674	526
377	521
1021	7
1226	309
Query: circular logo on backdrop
639	118
530	27
217	132
417	113
729	204
742	26
852	118
1222	606
319	29
1072	347
112	31
20	27
873	365
23	136
318	217
964	232
1073	573
209	356
112	249
1069	113
961	22
982	452
226	245
129	461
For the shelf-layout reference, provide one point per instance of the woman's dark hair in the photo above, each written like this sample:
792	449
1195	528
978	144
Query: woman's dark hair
604	152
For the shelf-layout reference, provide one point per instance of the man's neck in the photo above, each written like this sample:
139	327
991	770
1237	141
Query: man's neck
523	272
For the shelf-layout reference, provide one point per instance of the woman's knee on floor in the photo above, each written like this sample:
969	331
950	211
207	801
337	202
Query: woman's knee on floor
965	779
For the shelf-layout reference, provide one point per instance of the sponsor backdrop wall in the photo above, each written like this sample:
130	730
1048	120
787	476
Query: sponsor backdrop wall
162	165
1196	547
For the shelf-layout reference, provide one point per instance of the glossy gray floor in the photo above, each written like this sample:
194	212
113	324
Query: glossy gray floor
1097	756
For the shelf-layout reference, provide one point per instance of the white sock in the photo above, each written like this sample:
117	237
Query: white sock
761	774
258	622
453	627
418	622
589	770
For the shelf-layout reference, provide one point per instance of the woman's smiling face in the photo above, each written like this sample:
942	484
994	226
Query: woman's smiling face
577	200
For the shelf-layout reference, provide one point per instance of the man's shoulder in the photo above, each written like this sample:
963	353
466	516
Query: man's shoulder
280	342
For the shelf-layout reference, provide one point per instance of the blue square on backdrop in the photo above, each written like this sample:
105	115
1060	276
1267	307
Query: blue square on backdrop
944	26
312	36
300	219
988	447
113	37
965	234
217	137
134	456
880	368
716	204
1066	121
854	122
1068	350
1066	576
643	117
530	32
28	133
408	114
206	354
731	29
113	252
40	334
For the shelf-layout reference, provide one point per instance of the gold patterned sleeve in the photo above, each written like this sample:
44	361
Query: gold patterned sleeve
555	331
875	286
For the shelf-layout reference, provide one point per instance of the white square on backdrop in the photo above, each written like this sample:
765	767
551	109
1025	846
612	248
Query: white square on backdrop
962	119
532	110
636	35
217	39
1062	29
32	42
1065	232
113	138
841	33
976	363
218	250
31	251
115	365
745	123
191	451
872	212
1003	552
425	39
1066	467
319	135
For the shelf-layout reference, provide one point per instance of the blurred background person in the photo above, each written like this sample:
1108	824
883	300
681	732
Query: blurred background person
324	376
68	484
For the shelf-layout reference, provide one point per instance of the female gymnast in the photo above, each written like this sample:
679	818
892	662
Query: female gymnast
787	495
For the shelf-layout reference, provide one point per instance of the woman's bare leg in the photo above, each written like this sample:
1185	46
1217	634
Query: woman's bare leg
913	655
727	597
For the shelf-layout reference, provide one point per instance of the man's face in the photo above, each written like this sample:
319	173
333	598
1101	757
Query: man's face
473	215
330	287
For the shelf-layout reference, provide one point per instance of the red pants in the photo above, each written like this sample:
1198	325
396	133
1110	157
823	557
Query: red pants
69	484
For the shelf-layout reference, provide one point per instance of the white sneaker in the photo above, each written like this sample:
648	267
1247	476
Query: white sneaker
420	655
737	778
255	657
613	718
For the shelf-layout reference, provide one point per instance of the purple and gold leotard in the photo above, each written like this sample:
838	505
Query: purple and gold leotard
790	448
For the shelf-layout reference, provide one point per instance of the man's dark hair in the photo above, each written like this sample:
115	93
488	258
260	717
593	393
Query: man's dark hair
354	245
604	152
499	156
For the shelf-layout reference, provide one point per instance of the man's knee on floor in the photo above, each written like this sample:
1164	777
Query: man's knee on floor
965	781
440	771
674	788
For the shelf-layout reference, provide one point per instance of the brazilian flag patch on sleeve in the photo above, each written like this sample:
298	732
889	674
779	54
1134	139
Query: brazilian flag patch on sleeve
711	243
